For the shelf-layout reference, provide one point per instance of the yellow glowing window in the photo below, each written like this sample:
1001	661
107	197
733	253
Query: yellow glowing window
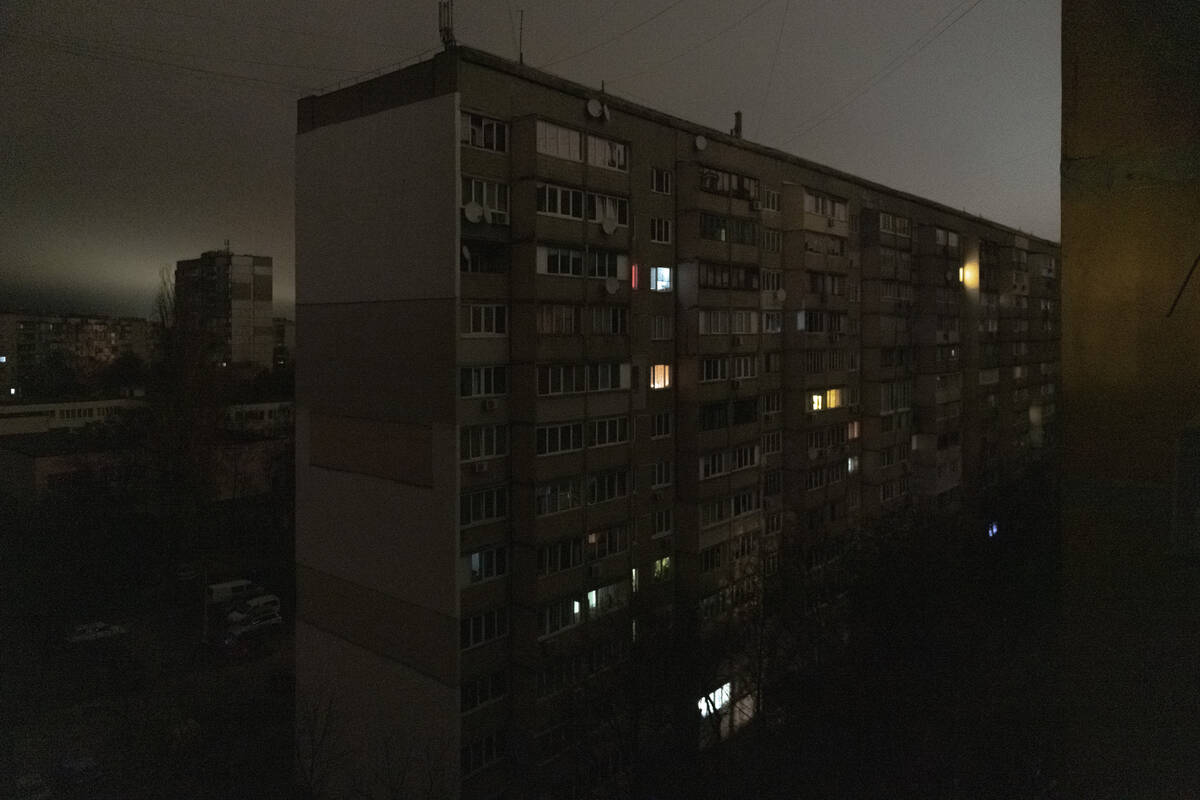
833	398
961	274
816	402
660	376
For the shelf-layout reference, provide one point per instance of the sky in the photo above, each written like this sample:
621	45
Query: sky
137	133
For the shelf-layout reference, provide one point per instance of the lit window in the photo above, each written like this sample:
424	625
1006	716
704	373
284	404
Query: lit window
662	569
3	359
816	402
660	279
852	464
833	398
715	700
660	376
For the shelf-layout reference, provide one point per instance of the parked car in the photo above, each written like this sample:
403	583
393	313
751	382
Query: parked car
254	626
263	605
94	631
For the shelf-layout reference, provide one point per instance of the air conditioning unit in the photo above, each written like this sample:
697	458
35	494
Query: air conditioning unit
489	405
479	466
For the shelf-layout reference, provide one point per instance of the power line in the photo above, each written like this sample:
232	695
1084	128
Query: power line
612	39
129	57
691	50
919	44
774	59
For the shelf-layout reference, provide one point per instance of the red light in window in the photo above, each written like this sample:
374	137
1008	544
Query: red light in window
633	275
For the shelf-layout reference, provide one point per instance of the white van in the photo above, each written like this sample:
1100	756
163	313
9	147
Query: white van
263	605
231	591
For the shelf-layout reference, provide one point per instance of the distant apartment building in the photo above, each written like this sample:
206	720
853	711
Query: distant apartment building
572	364
85	342
227	299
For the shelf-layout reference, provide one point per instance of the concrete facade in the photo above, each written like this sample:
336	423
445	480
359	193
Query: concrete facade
666	358
228	299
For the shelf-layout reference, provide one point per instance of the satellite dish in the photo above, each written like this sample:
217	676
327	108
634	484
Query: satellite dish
473	211
608	225
780	295
594	108
701	142
466	255
487	215
610	285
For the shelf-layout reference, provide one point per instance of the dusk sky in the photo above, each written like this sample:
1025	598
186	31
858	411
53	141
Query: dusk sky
135	134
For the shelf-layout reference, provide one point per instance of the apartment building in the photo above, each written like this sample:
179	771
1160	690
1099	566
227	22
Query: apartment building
87	342
228	298
575	372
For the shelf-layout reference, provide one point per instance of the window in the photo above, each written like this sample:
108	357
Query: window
714	369
713	227
853	429
487	564
772	279
557	201
660	230
772	241
661	425
557	320
605	486
660	376
608	377
602	207
661	474
897	226
662	328
743	321
714	417
478	691
770	200
483	381
852	464
560	555
559	615
484	132
478	442
483	505
556	496
772	442
773	363
608	598
559	261
714	701
721	182
610	320
714	322
772	404
559	438
745	411
607	264
608	542
607	153
745	502
816	401
772	321
663	522
660	279
482	257
483	628
744	367
833	398
773	483
609	430
491	196
824	205
660	180
710	558
555	140
662	569
562	379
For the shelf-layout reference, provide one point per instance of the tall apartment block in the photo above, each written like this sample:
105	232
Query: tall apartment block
89	342
570	367
228	298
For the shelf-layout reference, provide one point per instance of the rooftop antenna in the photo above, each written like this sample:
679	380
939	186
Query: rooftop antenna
227	250
521	39
446	22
